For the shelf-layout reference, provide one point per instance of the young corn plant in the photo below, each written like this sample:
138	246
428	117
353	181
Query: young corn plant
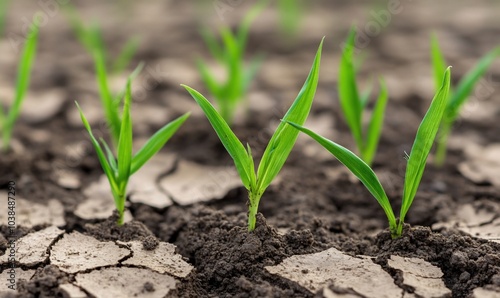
458	96
120	168
7	120
416	161
91	38
353	104
278	148
229	93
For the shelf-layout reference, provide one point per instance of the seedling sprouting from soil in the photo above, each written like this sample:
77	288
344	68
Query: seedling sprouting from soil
7	120
119	169
229	93
353	104
416	161
91	38
458	96
278	148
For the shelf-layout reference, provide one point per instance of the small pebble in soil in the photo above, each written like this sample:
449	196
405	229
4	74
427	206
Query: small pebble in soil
149	287
150	243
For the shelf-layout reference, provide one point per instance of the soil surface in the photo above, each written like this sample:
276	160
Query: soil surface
315	204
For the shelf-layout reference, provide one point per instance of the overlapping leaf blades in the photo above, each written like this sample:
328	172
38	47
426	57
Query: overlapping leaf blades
118	170
459	95
278	148
353	104
7	120
416	163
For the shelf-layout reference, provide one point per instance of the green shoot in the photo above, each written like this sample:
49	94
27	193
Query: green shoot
91	38
422	145
229	93
353	104
7	120
459	95
119	169
278	148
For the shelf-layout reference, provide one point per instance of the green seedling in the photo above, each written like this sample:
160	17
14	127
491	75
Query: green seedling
91	38
353	104
120	168
229	93
458	96
416	161
7	120
278	148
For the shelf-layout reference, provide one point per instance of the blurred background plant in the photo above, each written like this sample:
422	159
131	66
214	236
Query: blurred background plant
459	95
230	53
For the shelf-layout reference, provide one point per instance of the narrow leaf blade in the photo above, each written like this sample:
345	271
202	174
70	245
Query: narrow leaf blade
125	140
348	90
438	62
107	100
23	73
358	167
100	154
232	144
422	145
156	142
375	126
284	137
466	85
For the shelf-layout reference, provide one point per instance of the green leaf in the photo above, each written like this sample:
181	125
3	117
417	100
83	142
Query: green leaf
107	100
209	80
242	35
125	140
376	124
118	97
126	55
111	157
213	46
466	85
438	62
358	167
233	146
365	96
348	90
79	29
423	143
100	154
22	83
284	137
156	142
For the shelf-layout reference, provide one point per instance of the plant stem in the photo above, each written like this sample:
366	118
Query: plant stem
252	209
120	207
